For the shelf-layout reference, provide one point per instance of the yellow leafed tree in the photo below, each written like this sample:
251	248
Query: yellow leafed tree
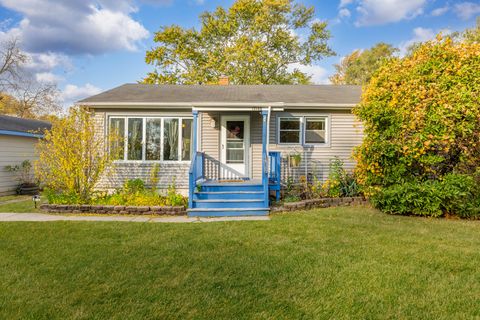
71	157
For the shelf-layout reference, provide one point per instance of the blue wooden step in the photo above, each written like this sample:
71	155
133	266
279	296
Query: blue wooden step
228	212
228	195
223	187
230	203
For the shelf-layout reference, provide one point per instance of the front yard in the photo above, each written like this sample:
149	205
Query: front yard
331	263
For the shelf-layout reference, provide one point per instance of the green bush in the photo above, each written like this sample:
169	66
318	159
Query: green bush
457	194
55	197
421	145
340	183
133	193
134	185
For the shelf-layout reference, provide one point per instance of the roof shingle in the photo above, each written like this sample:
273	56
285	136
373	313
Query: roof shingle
9	123
147	93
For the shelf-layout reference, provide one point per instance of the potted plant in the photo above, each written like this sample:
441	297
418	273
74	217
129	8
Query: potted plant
295	159
25	177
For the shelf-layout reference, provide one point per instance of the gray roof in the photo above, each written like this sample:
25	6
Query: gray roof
148	93
8	123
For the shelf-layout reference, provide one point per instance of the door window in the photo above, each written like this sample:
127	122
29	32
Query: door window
235	152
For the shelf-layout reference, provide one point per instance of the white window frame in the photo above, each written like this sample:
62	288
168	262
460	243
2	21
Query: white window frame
303	125
279	119
327	131
144	144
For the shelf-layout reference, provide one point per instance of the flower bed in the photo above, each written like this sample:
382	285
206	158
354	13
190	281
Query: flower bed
101	209
319	203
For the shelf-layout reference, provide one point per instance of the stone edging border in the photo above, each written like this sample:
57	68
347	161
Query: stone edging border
104	209
319	203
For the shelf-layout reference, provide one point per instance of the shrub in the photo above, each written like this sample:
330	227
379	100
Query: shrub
72	157
455	194
134	186
340	183
154	178
56	197
292	198
173	197
421	123
133	193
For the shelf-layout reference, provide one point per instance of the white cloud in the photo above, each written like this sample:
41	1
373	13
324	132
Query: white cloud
466	10
344	12
377	12
48	77
319	74
72	93
48	61
440	11
76	27
420	35
344	3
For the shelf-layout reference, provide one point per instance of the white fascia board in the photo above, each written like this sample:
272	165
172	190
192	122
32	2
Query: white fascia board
217	105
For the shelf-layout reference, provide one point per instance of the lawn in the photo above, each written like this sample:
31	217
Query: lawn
330	263
20	206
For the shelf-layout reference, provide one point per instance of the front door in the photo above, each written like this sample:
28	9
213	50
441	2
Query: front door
235	145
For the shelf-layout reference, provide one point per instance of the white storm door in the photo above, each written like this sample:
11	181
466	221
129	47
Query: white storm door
235	146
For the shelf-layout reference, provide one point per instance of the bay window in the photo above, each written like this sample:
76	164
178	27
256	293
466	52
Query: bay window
150	138
153	139
117	138
135	138
186	138
170	139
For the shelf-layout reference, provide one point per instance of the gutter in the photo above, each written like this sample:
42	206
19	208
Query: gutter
198	105
20	134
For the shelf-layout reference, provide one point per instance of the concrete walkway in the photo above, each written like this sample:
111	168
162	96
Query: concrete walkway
41	217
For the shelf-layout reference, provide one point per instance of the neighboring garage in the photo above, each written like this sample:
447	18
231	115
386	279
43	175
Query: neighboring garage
17	143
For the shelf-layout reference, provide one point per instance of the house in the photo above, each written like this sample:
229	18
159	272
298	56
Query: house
17	143
227	146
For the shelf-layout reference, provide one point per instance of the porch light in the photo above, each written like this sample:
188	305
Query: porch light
213	123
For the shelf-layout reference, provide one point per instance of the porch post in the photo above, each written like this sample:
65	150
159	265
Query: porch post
193	158
194	131
264	157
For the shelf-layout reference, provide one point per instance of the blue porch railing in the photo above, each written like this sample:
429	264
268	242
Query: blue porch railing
196	174
274	174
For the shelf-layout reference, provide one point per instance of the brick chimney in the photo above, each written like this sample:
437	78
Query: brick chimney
223	80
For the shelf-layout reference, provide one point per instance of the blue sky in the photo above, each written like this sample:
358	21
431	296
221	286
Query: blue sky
87	46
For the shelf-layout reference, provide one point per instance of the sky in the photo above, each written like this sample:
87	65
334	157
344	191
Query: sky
88	46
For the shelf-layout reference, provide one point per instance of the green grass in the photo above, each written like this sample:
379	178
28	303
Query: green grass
8	198
337	263
21	206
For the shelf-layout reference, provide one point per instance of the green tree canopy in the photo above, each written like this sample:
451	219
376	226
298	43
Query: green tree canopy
472	35
253	42
359	66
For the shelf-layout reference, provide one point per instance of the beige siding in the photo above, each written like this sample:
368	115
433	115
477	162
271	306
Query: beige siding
14	150
120	172
345	134
210	136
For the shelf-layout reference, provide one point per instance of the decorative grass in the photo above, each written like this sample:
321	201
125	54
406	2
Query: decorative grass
340	263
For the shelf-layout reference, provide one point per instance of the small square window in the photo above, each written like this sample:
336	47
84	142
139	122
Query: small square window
289	130
315	130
